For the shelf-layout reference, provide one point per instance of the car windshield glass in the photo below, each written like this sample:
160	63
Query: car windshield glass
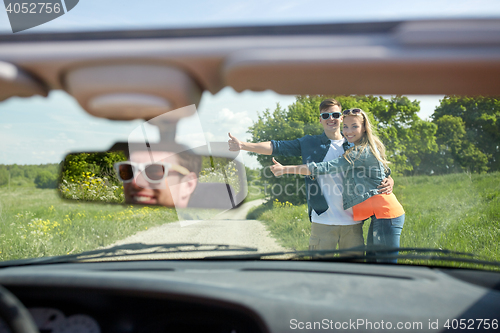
441	152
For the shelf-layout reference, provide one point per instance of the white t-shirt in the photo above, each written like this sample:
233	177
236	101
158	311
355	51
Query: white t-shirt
331	186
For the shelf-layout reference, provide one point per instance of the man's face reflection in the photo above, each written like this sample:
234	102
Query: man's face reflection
173	191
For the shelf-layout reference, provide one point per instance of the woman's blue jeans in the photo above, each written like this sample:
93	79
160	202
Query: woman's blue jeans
386	232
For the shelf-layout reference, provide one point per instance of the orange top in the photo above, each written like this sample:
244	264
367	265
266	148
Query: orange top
383	206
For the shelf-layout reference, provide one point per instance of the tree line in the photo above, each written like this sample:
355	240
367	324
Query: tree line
42	176
72	168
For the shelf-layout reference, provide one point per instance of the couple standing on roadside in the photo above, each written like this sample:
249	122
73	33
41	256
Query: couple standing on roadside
347	181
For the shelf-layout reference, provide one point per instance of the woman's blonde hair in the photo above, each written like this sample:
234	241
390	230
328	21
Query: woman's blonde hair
369	139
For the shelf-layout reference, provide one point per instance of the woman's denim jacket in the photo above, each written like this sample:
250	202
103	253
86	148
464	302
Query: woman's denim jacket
312	148
361	176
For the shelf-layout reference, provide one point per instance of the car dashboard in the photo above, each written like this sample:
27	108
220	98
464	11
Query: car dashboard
252	296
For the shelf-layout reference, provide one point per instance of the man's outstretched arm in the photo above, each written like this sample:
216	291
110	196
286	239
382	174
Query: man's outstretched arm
264	148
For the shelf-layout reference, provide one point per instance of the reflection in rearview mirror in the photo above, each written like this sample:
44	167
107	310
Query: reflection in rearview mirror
91	177
169	176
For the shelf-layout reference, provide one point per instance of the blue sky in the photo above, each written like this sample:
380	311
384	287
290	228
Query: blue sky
38	130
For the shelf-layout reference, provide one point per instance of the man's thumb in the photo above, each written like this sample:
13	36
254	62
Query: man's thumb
274	161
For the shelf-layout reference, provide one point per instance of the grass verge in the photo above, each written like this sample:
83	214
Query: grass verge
36	222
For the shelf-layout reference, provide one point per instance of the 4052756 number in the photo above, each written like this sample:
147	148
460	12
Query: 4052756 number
33	8
471	324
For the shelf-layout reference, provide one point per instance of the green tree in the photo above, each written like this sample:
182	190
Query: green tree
407	137
15	171
4	176
30	171
46	179
456	153
479	132
285	125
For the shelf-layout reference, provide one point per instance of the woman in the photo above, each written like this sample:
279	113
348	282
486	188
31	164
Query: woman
364	166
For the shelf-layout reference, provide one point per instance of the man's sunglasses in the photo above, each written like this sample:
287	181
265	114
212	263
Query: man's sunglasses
152	172
351	111
327	115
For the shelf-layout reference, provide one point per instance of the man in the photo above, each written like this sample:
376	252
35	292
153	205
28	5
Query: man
159	178
331	224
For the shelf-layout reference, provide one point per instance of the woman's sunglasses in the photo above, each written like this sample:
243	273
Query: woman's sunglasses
351	111
327	115
152	172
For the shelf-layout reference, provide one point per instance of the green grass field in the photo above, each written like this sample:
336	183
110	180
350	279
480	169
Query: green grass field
36	222
458	212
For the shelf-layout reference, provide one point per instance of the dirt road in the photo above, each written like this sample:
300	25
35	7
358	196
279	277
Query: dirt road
229	228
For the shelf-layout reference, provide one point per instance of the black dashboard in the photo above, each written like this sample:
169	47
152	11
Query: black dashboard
253	296
87	310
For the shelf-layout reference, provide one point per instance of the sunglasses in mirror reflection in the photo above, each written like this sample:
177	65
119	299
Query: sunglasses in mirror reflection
161	178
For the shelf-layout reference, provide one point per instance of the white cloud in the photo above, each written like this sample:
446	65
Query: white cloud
227	116
228	121
44	153
210	136
192	140
60	138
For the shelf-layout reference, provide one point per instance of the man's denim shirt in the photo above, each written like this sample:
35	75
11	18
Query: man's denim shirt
361	177
312	148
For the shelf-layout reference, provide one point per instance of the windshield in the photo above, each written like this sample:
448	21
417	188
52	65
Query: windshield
441	152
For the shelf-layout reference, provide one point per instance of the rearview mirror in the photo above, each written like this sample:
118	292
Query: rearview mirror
160	174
